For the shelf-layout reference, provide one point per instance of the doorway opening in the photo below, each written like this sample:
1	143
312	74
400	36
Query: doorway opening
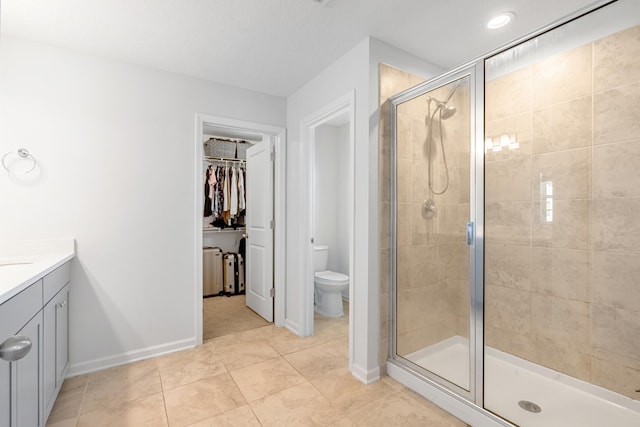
239	224
329	141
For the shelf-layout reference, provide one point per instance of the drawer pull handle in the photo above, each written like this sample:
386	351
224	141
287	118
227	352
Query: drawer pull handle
61	304
15	348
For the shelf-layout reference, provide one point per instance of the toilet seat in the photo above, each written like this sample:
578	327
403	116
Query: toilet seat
331	278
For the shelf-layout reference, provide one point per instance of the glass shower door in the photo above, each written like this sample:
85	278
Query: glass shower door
431	214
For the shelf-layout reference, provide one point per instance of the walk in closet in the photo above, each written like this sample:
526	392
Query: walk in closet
225	203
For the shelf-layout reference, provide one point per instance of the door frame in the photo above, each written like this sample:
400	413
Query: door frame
476	185
279	208
308	125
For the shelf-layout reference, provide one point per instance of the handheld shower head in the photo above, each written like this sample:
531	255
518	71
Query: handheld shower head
447	112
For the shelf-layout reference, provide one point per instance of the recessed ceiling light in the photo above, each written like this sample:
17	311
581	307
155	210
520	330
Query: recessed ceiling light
500	20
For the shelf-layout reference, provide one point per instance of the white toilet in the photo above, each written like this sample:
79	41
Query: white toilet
328	285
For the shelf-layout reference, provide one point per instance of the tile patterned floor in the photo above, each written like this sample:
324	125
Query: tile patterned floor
218	311
263	376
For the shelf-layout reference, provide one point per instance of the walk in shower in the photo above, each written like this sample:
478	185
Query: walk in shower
514	212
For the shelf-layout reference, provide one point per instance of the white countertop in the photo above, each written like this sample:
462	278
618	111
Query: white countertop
27	261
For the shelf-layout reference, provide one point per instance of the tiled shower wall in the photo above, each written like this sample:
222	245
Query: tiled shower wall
562	281
432	255
391	81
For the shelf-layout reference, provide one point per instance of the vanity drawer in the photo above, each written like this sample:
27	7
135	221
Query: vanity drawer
55	281
17	311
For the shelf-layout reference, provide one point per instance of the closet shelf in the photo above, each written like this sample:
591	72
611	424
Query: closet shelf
224	159
223	230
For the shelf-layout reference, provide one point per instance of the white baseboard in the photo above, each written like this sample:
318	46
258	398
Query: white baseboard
131	356
293	327
365	376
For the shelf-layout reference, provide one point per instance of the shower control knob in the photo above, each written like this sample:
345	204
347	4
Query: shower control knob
428	209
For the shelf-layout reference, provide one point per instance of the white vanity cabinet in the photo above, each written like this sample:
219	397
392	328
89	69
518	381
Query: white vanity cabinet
34	352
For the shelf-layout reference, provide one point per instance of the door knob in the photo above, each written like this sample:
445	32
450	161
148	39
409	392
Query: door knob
15	348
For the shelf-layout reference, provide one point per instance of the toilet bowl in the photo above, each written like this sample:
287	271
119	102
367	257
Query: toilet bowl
328	285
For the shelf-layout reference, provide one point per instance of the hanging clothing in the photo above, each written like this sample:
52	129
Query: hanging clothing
207	193
226	209
219	193
212	184
241	197
233	194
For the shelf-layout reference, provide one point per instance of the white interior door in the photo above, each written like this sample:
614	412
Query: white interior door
259	262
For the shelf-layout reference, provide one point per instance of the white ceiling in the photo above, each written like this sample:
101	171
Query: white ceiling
272	46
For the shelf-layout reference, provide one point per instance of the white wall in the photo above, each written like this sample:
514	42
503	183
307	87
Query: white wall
355	71
342	158
116	147
325	203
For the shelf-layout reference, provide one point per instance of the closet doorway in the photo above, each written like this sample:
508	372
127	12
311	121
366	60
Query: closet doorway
239	278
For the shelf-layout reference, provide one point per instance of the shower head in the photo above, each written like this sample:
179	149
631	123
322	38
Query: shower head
447	112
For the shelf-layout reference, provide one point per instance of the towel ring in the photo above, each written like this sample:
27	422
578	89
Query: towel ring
23	153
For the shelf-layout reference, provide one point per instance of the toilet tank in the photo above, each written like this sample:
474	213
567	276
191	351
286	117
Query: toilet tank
320	257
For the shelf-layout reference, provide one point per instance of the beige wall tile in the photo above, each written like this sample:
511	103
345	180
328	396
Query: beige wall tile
508	180
569	171
616	115
508	95
561	356
562	77
424	265
561	321
512	342
508	266
508	309
508	222
404	133
403	224
403	181
616	330
384	183
561	272
632	361
423	230
563	126
452	222
385	270
569	228
419	181
615	280
454	261
385	219
615	225
615	59
393	80
615	170
518	125
619	378
419	146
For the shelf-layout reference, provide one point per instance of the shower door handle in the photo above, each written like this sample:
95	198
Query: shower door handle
470	227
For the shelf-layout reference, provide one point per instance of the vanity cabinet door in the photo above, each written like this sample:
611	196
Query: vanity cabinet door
5	393
28	412
56	346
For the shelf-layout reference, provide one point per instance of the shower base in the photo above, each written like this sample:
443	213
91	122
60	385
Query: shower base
515	388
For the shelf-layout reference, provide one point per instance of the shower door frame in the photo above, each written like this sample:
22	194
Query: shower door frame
475	72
